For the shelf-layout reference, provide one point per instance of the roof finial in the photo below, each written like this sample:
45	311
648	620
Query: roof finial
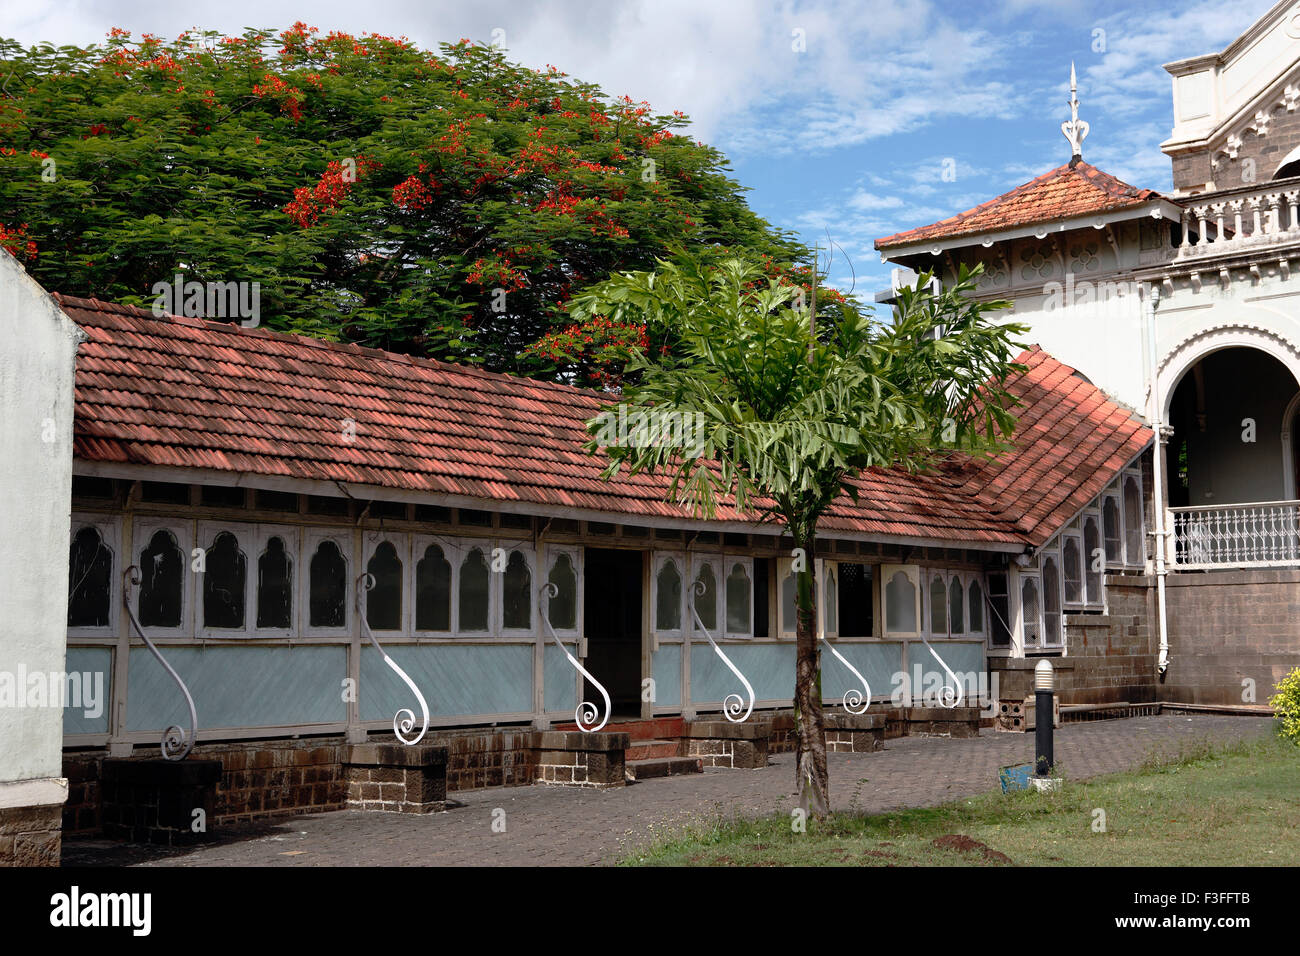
1075	130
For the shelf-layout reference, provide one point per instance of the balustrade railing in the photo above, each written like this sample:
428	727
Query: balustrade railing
1258	535
1239	221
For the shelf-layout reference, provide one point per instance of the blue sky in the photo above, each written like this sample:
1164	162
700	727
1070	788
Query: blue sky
849	134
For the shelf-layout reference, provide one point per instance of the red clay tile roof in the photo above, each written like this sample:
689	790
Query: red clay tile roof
1063	193
178	392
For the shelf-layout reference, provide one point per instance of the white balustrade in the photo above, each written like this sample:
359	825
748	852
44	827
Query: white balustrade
1219	225
1262	534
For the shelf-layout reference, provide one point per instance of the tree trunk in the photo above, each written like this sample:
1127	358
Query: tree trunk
810	751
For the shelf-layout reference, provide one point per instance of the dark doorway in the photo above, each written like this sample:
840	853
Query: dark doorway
612	624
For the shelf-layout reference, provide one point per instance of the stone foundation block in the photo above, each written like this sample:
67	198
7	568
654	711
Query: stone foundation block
159	801
577	759
396	778
720	743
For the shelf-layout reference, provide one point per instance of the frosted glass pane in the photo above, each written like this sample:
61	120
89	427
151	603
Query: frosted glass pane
738	600
668	599
956	619
787	603
474	592
900	604
563	607
433	591
976	594
384	600
705	596
517	593
938	606
329	586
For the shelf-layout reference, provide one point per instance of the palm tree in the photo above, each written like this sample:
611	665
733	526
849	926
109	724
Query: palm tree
792	415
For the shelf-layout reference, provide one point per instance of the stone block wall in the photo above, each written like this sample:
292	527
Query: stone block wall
1227	628
396	778
579	759
30	836
720	743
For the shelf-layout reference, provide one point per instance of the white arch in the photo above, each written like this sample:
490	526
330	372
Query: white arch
1191	350
1288	451
1290	157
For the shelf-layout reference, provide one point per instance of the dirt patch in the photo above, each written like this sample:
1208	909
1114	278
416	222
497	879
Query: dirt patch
960	843
881	854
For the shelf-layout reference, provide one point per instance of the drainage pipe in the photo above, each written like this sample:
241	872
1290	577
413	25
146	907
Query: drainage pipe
1151	303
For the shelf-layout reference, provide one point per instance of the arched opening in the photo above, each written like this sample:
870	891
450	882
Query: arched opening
1289	166
1232	440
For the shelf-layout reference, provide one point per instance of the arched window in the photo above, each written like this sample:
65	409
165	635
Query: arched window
517	593
1113	536
274	585
1094	558
956	600
225	583
668	597
739	599
1073	564
938	606
705	596
1135	553
328	586
90	580
162	568
789	612
900	604
1029	611
563	607
832	603
384	600
975	597
473	592
1051	601
433	591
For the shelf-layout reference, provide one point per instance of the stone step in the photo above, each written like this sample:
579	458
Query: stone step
663	767
647	749
658	728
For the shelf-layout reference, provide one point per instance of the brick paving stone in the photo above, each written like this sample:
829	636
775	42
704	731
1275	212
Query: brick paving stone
549	826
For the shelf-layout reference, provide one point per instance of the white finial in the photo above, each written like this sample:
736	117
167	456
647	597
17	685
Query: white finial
1075	130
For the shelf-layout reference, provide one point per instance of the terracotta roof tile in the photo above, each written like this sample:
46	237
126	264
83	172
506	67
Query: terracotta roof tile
1062	193
187	393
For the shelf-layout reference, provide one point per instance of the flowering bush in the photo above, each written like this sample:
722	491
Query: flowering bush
1286	706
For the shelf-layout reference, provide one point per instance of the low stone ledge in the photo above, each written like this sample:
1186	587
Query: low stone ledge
396	778
932	722
165	802
855	733
577	759
725	729
720	743
31	836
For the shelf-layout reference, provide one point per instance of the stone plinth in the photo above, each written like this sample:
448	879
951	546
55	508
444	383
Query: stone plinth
577	759
396	778
720	743
168	802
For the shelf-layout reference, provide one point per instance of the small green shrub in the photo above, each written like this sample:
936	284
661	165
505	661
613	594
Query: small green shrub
1286	705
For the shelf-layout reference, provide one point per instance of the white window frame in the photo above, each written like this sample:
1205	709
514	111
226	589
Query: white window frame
786	630
729	561
450	553
290	534
1093	601
142	531
463	547
246	537
311	540
553	553
670	635
825	569
529	554
1115	494
960	578
1012	619
913	573
985	611
1059	546
1057	557
697	562
927	602
371	539
1131	561
110	535
1022	634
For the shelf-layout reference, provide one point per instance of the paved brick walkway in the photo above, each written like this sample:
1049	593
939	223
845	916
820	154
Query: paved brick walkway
566	826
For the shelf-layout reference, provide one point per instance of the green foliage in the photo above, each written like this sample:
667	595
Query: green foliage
1286	706
791	416
378	193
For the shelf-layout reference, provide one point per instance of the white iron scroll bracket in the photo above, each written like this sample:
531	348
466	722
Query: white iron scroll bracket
404	719
948	696
855	701
175	744
586	712
733	703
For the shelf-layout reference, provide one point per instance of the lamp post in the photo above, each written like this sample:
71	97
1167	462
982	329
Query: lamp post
1044	690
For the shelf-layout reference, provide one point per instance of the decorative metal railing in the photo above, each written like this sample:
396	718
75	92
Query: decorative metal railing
404	719
733	704
1263	534
1227	223
855	701
175	744
948	696
586	713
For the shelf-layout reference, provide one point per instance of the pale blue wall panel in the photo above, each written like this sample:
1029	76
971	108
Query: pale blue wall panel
666	666
877	662
768	667
456	680
560	678
89	714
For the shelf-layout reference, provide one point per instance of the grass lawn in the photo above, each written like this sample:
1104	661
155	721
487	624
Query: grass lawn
1207	806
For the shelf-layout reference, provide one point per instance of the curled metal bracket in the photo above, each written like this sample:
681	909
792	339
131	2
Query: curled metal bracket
855	701
586	711
175	744
404	719
733	703
948	696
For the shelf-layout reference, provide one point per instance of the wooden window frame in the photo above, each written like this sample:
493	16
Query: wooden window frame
110	535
